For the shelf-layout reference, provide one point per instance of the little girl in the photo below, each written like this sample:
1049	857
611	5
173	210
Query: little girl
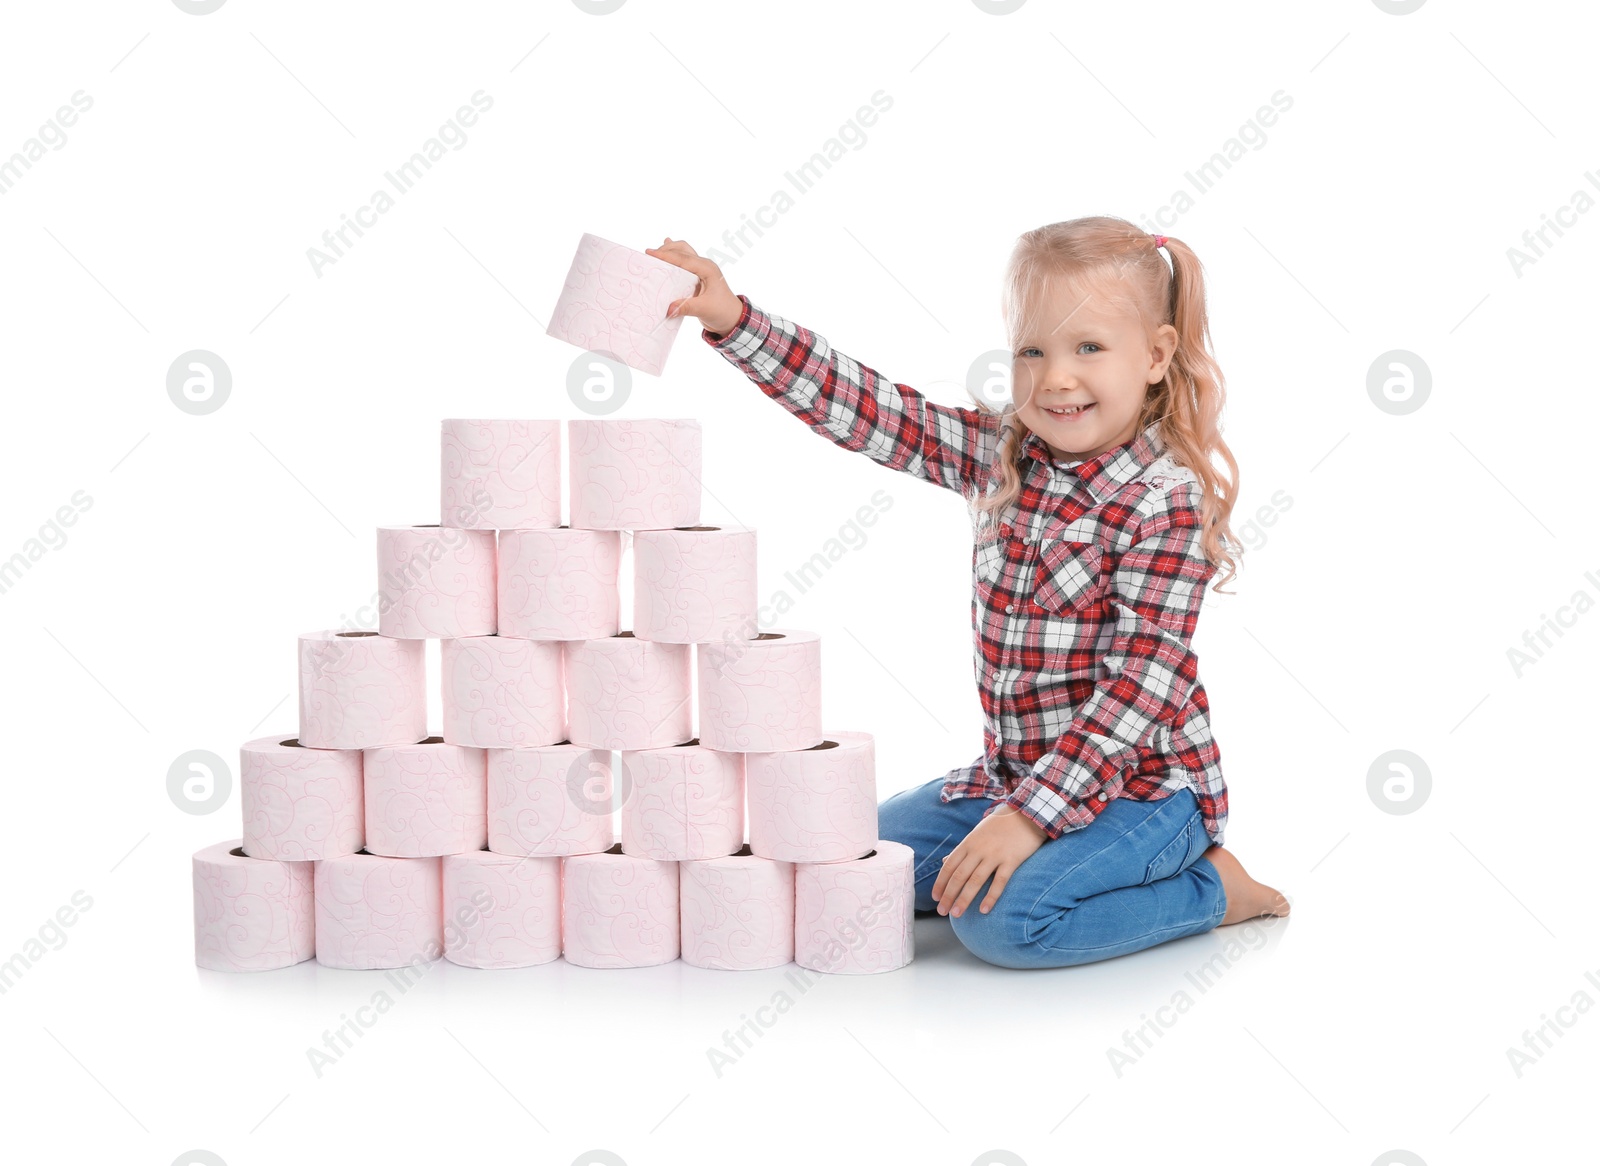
1098	803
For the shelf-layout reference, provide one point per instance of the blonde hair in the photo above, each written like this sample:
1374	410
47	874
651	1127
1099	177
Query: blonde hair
1118	264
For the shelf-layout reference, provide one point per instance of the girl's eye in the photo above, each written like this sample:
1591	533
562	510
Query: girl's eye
1029	352
1089	344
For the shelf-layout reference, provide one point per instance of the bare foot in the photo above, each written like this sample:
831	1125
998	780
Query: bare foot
1247	899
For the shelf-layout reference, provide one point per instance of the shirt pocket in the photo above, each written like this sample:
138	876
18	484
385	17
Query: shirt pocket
1071	579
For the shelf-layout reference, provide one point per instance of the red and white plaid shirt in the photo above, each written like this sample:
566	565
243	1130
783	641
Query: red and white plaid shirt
1085	593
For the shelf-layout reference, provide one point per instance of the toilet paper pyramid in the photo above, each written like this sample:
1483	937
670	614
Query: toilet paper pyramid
617	797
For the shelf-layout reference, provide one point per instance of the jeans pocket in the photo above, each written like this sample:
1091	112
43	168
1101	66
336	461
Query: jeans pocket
1174	856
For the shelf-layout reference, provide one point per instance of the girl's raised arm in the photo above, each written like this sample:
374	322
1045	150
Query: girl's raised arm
845	401
857	408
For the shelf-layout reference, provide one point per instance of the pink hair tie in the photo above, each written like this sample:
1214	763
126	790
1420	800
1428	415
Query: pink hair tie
1161	240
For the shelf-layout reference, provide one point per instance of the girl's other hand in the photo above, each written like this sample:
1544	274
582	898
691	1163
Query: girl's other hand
713	303
997	845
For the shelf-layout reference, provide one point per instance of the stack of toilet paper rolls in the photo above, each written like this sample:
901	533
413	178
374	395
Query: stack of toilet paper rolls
368	843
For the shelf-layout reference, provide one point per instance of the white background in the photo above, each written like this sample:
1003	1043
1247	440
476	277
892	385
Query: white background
1376	613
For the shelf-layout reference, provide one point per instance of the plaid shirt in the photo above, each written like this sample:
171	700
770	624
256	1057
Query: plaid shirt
1085	592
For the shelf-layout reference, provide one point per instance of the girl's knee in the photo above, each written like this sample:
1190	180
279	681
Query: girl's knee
992	936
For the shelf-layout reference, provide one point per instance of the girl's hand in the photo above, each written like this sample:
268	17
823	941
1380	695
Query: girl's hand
997	845
713	303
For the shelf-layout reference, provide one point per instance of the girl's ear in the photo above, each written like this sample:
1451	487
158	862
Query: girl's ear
1162	351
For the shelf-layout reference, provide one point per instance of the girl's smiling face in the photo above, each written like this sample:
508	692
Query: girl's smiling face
1082	369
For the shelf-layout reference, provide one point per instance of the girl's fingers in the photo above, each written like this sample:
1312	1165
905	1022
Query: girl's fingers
1001	877
974	884
958	882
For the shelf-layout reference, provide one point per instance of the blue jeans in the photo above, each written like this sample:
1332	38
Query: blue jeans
1132	878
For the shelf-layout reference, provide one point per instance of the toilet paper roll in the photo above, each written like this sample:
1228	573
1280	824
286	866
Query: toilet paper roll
425	799
299	803
501	911
559	584
684	801
855	917
250	914
550	801
501	692
500	475
615	300
814	805
618	910
628	693
762	694
694	584
435	582
378	912
737	912
360	689
634	475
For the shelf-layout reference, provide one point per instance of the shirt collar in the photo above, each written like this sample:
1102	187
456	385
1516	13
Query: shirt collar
1110	469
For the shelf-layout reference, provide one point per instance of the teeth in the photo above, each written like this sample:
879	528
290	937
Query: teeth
1067	412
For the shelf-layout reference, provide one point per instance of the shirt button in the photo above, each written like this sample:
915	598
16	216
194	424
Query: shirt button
1011	607
1102	797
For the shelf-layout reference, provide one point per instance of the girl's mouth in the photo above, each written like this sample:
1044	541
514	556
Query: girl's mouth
1071	413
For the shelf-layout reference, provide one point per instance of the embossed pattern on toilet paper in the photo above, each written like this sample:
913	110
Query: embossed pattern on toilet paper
559	584
855	917
683	802
376	912
814	805
250	914
737	912
425	799
298	803
361	689
500	475
615	301
627	693
502	692
761	694
435	582
550	801
693	586
619	911
634	475
501	911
